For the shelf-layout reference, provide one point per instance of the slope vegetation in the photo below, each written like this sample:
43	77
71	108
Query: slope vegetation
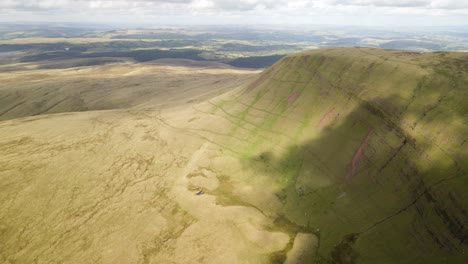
367	148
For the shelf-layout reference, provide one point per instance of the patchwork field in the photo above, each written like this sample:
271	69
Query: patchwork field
346	155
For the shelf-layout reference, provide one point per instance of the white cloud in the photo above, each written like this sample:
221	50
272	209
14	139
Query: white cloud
289	9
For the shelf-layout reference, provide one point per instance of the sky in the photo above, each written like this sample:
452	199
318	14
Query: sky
403	13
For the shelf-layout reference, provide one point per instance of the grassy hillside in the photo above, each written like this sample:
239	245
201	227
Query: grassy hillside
367	148
345	155
35	89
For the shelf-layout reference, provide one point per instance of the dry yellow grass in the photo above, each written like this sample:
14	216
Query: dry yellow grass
28	92
120	186
339	155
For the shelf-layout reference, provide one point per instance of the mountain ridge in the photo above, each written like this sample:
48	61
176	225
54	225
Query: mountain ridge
397	120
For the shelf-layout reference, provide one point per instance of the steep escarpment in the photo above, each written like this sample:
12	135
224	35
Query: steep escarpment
367	149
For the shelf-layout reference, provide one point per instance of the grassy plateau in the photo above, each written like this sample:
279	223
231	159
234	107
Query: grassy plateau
337	155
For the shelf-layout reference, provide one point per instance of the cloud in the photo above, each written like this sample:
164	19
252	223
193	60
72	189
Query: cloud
275	8
382	3
71	5
248	5
226	5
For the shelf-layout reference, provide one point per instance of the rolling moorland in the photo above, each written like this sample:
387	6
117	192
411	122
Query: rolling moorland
335	155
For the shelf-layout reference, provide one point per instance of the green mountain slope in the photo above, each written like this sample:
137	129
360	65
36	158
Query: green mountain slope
367	148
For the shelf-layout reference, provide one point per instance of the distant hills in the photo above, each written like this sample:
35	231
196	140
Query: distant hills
246	47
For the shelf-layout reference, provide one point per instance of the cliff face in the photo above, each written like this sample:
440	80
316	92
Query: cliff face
368	150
